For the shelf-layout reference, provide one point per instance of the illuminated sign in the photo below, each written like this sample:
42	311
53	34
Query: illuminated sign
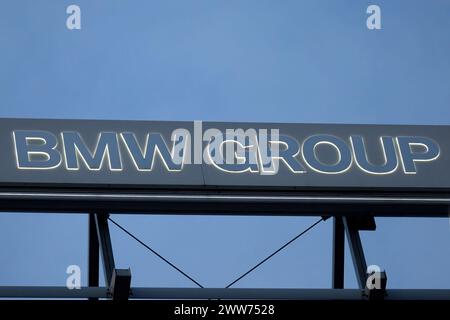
203	154
39	150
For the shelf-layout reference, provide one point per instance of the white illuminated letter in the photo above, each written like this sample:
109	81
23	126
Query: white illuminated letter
155	144
36	150
107	147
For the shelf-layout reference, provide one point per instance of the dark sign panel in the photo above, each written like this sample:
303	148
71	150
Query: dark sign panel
215	155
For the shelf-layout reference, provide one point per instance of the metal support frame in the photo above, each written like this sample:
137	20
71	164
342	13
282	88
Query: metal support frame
350	216
352	227
338	253
221	293
226	202
357	252
93	252
104	239
117	280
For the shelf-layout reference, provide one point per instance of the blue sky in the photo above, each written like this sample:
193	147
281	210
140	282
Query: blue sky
254	60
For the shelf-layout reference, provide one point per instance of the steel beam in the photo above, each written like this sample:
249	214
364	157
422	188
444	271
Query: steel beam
227	202
357	252
32	292
338	253
104	239
220	293
93	252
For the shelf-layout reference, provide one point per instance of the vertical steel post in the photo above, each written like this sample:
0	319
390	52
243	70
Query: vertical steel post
104	239
338	253
93	253
356	249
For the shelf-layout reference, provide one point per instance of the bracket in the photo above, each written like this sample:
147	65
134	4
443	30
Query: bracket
117	280
352	227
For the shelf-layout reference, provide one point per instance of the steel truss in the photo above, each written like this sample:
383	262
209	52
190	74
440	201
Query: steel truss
351	214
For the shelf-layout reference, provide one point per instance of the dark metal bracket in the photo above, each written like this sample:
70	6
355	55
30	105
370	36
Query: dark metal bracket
93	254
352	226
338	253
118	281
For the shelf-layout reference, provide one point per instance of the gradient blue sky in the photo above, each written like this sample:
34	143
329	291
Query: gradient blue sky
234	60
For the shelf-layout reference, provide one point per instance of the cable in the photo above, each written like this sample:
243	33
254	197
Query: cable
156	253
274	253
